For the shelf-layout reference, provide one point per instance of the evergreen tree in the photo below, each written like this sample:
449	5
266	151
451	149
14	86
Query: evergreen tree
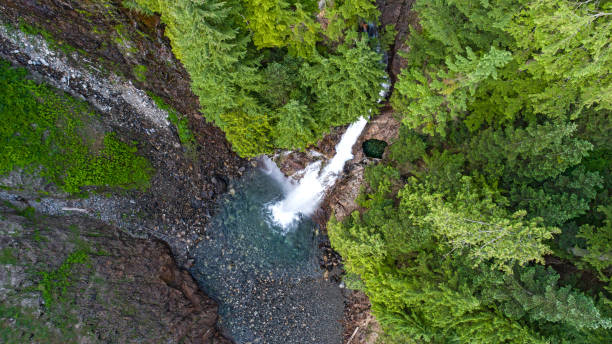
346	85
472	221
279	23
343	15
535	292
295	128
567	45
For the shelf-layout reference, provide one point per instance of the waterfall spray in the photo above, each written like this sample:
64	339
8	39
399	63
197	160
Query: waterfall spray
304	197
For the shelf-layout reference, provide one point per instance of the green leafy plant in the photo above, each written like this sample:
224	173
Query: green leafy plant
42	133
54	284
7	256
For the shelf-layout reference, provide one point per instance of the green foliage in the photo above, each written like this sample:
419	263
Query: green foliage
265	60
445	98
22	325
283	23
504	144
27	212
147	7
249	134
568	47
205	37
345	15
47	36
55	283
473	221
140	73
294	127
346	85
7	256
561	199
409	147
534	293
556	77
42	132
537	152
374	148
181	123
598	252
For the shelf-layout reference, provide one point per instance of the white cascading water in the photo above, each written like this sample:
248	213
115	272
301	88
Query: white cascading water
303	198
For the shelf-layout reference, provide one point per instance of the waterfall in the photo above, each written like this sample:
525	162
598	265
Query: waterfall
303	198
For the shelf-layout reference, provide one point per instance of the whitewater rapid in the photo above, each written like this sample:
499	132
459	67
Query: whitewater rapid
302	198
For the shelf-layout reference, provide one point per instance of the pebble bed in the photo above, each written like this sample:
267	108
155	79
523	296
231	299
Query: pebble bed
269	286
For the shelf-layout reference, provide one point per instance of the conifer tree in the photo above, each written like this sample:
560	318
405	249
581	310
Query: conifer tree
346	85
276	24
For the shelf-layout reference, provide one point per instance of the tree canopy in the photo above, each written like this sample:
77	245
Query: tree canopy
265	71
489	220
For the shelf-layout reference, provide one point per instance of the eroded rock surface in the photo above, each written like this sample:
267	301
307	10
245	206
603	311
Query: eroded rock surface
340	200
116	290
399	14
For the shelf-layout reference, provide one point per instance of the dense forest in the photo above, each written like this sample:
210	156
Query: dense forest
490	218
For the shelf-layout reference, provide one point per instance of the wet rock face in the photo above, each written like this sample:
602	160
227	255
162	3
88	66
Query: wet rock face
399	14
291	162
118	40
125	288
340	201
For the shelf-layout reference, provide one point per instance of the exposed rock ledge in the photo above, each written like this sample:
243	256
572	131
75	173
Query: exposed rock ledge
340	200
128	290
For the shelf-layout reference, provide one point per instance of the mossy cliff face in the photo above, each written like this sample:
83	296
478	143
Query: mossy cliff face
78	280
93	50
116	39
67	278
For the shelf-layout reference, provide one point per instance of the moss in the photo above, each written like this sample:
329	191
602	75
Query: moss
47	36
42	132
7	256
181	123
140	73
28	212
147	8
374	148
22	325
37	237
55	283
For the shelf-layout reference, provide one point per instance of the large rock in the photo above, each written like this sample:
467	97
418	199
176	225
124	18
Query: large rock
340	201
126	290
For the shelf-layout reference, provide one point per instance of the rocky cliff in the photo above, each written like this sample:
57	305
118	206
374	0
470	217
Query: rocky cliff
90	268
122	64
75	279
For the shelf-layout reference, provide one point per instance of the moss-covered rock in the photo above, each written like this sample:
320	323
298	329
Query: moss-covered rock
374	148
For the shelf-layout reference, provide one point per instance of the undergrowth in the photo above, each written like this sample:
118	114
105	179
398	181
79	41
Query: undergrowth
181	123
41	132
54	284
53	43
